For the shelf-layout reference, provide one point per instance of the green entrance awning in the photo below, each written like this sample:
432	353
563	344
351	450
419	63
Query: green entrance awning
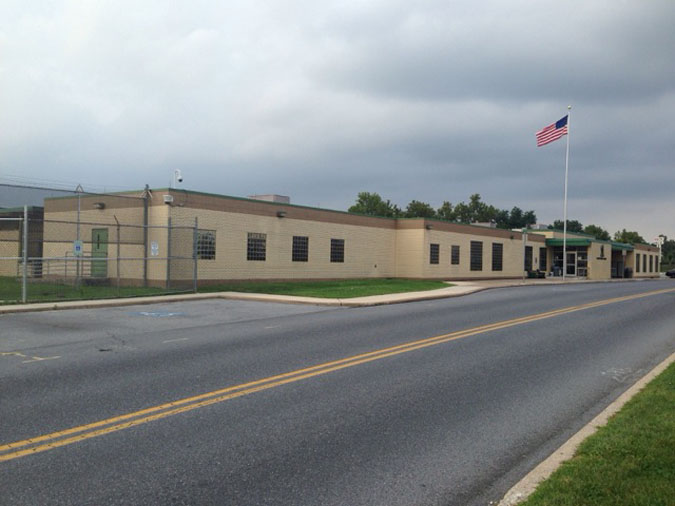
570	242
618	246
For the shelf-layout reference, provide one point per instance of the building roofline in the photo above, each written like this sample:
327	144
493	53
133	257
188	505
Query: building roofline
266	202
20	209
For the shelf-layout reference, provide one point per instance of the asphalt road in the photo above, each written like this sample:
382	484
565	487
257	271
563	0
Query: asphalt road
454	418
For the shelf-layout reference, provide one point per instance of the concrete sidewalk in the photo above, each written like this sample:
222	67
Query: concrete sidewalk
458	289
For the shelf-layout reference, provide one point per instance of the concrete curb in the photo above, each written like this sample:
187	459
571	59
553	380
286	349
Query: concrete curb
375	300
459	289
522	490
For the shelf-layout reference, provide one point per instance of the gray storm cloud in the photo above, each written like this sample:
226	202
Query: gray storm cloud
432	101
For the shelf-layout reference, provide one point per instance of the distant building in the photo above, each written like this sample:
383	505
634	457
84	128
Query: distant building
280	199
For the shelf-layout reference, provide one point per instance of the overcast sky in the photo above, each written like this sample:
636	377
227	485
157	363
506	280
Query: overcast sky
426	100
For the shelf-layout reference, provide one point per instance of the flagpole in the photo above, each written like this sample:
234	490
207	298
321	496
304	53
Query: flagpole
567	159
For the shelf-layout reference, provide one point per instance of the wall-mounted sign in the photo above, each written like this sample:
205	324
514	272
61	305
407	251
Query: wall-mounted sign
77	248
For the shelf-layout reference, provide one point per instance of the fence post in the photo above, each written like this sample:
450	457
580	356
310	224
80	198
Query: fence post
146	196
118	254
24	290
168	255
78	263
195	237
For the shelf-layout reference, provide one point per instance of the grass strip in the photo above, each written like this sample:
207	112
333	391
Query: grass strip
338	289
10	291
628	462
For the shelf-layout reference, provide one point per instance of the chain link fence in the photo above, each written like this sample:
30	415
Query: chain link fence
58	245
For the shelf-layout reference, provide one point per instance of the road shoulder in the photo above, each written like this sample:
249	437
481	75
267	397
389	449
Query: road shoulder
527	485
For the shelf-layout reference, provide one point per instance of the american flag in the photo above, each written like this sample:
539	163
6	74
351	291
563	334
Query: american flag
553	132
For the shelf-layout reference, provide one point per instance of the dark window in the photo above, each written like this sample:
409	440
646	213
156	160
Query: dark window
454	255
528	258
602	251
337	250
651	263
644	262
256	246
476	255
434	253
542	259
206	244
497	256
637	262
300	248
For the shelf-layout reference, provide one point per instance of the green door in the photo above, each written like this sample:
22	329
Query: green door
99	249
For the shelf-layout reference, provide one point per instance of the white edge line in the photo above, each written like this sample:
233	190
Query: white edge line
522	490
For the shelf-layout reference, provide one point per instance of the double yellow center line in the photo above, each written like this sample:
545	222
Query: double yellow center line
65	437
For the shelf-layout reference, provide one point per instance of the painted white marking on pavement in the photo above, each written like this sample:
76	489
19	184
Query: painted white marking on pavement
30	358
40	359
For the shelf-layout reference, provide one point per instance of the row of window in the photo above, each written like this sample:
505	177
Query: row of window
256	250
256	247
435	255
476	256
653	263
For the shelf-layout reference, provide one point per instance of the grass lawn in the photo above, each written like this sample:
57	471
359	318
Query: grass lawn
629	462
10	291
339	289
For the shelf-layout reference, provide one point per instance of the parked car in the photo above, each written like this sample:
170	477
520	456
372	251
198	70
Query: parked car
671	273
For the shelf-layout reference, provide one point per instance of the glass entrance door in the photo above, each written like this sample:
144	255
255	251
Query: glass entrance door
571	263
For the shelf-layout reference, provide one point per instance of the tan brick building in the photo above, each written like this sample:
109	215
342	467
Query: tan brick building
238	239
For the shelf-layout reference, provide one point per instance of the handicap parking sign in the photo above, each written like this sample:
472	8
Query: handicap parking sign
77	248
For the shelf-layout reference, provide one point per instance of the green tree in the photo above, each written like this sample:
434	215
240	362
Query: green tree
529	218
668	253
572	225
480	211
373	205
463	213
597	232
418	209
628	237
446	212
502	219
519	219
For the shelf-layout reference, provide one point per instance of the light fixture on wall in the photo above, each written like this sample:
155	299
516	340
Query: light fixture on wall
99	205
281	214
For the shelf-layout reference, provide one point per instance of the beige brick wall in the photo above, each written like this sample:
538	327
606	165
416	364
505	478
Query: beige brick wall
10	244
60	230
512	256
368	250
645	271
410	253
158	218
599	266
